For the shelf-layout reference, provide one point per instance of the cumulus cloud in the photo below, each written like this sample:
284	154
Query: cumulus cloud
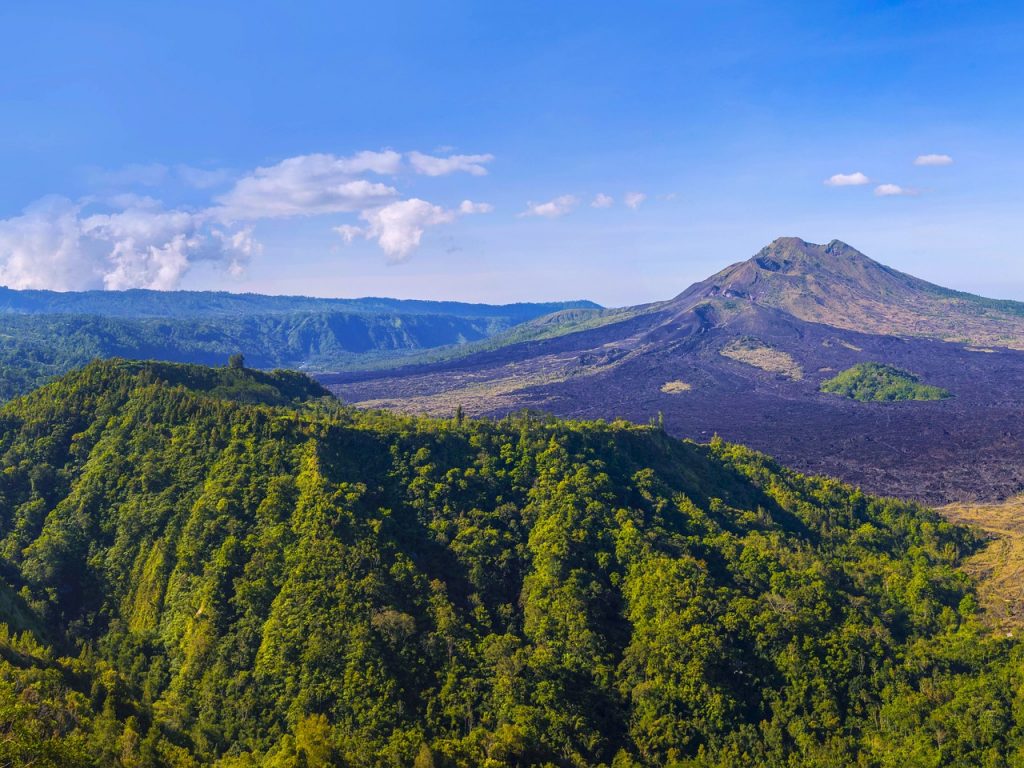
42	248
428	165
56	243
468	206
933	160
601	200
847	180
634	199
398	227
893	190
309	185
122	239
552	209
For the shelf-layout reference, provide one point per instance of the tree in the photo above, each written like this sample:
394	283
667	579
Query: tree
236	360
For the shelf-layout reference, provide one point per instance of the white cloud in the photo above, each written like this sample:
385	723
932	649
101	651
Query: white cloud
552	209
847	180
469	207
892	190
634	199
309	185
428	165
123	239
933	160
56	244
132	200
398	227
601	200
350	232
42	248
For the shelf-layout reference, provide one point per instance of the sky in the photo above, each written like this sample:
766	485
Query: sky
499	152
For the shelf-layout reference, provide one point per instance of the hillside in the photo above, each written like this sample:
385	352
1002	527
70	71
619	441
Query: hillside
205	581
45	333
746	352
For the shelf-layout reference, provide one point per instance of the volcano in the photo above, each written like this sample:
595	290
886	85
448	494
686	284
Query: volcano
744	355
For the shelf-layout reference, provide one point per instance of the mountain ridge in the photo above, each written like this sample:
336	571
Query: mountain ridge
144	302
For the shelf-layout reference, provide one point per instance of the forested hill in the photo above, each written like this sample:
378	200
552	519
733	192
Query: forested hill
46	333
192	576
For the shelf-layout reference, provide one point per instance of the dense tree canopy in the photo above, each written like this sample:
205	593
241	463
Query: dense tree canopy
877	382
44	333
221	567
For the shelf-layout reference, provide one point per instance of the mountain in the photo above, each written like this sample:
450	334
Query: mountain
45	333
837	285
745	353
223	567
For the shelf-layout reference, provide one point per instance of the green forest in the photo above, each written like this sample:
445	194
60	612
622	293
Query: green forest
225	567
45	333
877	382
35	348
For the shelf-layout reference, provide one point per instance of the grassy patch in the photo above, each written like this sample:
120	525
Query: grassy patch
675	387
998	568
760	355
876	382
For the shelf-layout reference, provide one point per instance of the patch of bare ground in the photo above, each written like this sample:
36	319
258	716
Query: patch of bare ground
998	567
474	398
760	355
675	387
836	342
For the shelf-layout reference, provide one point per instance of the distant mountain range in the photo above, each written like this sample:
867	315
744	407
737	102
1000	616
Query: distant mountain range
45	333
142	303
745	354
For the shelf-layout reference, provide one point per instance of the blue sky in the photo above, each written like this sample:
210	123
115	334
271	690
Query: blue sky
457	150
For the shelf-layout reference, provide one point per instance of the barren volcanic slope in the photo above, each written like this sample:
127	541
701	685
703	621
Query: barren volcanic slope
743	355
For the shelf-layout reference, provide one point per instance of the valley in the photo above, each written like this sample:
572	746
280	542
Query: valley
47	333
